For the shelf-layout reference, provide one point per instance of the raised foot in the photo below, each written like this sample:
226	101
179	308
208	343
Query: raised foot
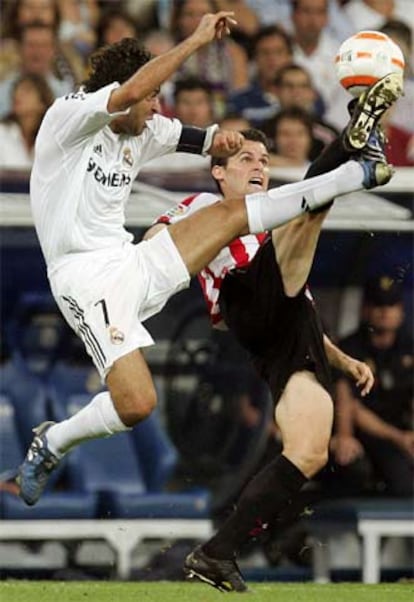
369	109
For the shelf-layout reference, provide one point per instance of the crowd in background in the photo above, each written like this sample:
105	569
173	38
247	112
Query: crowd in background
276	71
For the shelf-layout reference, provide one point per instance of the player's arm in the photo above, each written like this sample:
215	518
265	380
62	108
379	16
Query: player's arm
358	371
371	423
344	445
149	77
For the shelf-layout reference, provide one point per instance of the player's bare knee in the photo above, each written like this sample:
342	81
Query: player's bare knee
133	407
308	461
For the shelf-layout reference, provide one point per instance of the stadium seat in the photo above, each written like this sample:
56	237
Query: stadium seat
52	504
128	470
27	394
156	453
35	332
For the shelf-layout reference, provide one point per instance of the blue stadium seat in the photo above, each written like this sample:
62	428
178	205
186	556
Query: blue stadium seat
157	454
27	394
128	470
108	467
52	505
35	332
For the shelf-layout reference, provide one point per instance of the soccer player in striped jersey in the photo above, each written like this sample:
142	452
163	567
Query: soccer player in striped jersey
257	288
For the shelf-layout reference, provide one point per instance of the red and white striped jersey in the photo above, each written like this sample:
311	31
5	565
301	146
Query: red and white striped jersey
237	254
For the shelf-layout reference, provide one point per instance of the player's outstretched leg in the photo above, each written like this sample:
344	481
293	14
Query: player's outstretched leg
36	468
224	575
369	109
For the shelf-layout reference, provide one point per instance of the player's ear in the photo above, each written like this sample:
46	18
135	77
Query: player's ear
217	172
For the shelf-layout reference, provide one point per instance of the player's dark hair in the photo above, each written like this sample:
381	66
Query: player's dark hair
250	134
115	63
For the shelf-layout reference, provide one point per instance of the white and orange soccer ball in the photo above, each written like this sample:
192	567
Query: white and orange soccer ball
366	57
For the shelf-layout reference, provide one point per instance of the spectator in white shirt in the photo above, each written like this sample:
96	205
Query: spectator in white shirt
30	98
314	48
37	53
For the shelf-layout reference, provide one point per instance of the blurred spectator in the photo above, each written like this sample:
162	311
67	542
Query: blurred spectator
78	19
314	47
233	121
18	14
143	12
31	97
223	63
193	102
294	89
247	20
37	52
291	135
379	426
272	50
398	122
271	12
372	14
114	25
158	41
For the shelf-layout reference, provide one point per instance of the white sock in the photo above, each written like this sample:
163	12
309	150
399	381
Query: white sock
97	419
268	210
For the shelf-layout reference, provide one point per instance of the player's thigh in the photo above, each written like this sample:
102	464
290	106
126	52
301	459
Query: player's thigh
304	414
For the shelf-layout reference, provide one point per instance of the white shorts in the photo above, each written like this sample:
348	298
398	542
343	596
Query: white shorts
105	295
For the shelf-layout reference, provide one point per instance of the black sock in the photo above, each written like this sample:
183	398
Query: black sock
265	496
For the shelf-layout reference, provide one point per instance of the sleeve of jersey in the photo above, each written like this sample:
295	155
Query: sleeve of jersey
187	207
161	137
79	115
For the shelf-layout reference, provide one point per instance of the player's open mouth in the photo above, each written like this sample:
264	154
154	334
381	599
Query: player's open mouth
257	182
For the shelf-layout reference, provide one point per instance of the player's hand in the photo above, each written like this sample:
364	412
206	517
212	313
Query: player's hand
226	143
346	449
362	375
406	442
214	27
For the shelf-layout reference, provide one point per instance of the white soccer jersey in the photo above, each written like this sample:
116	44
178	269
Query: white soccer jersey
83	173
237	254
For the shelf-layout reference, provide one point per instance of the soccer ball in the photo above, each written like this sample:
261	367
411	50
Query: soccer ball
366	57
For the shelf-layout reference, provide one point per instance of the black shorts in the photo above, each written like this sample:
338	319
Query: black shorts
282	334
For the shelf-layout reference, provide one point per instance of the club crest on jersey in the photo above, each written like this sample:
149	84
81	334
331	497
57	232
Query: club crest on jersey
177	210
127	158
117	337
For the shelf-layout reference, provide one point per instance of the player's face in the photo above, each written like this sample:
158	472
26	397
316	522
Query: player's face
246	172
134	123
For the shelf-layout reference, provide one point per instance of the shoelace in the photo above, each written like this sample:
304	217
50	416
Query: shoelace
38	449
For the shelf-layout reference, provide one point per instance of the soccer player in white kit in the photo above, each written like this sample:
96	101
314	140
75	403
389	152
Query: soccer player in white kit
88	152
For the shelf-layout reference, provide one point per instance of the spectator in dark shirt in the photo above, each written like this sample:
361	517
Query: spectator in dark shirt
295	89
380	426
272	50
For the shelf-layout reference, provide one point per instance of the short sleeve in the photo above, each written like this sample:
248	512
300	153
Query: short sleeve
81	114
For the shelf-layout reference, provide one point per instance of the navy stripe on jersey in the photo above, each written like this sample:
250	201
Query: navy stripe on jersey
88	337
